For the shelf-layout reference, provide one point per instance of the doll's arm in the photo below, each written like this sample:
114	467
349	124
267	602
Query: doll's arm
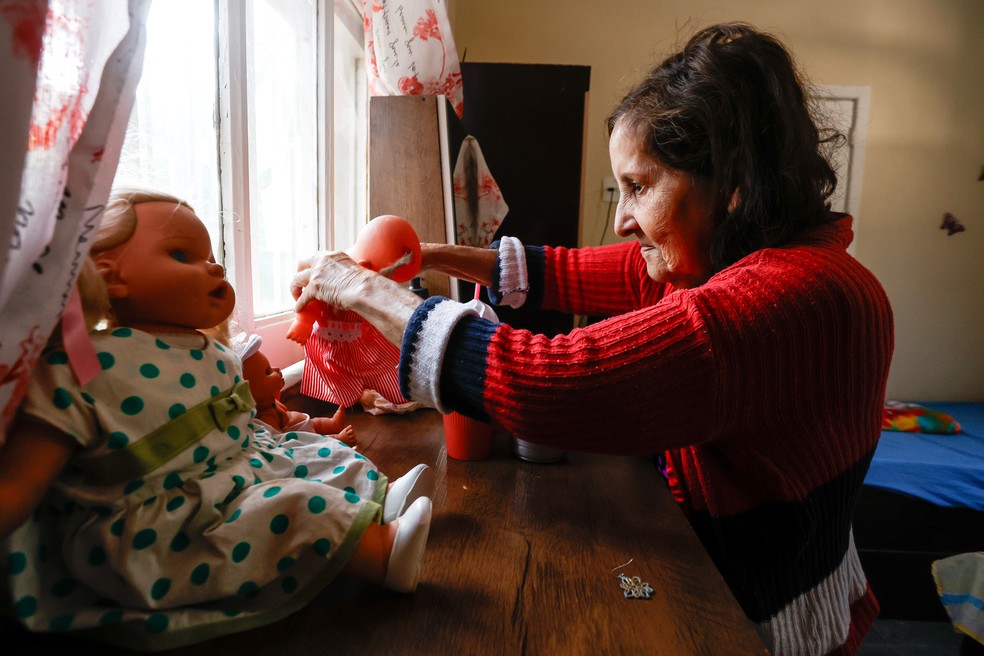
335	425
34	455
270	415
304	319
330	425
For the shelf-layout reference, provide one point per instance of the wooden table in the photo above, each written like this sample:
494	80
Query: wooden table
519	561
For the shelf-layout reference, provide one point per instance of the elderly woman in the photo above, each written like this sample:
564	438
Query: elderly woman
743	344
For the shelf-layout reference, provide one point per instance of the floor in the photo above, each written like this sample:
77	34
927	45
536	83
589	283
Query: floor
909	638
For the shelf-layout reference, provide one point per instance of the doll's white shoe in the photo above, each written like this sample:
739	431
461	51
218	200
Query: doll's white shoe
405	559
416	483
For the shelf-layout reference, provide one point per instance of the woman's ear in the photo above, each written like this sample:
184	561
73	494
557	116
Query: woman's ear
733	203
109	269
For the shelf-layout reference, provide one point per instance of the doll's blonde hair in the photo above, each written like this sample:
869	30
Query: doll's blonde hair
119	223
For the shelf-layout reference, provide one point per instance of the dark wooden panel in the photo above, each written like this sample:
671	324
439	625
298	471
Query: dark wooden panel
529	122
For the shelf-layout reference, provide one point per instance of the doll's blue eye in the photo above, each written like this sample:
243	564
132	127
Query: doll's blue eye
179	255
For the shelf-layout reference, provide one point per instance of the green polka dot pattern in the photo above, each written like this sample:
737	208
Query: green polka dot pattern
231	528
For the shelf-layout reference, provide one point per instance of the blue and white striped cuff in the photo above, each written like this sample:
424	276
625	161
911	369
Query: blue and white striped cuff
514	282
425	343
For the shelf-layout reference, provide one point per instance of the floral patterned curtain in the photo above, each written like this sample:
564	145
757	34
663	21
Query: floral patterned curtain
410	50
70	70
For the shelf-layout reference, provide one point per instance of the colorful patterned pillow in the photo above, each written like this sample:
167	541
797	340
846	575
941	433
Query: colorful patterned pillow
915	418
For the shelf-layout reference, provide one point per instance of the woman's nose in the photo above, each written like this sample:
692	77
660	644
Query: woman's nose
625	224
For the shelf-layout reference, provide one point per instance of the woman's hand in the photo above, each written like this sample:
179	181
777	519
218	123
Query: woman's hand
331	277
338	280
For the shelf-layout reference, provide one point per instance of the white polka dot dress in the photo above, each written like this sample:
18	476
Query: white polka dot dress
241	528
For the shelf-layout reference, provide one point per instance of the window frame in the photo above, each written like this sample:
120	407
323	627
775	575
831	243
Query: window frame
236	171
235	129
853	125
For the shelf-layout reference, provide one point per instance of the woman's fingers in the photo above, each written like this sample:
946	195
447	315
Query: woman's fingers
327	276
299	282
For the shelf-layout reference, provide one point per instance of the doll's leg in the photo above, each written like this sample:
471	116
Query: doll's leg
416	483
390	554
368	563
403	568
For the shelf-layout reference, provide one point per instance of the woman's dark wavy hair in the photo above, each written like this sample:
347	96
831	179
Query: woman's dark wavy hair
731	109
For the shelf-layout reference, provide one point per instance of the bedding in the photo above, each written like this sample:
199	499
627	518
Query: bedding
916	418
944	469
923	500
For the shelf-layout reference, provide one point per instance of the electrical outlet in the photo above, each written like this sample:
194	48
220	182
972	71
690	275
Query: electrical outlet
609	189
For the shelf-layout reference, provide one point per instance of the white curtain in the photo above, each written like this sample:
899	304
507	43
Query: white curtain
70	69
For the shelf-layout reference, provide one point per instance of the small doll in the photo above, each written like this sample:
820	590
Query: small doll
344	354
266	383
145	506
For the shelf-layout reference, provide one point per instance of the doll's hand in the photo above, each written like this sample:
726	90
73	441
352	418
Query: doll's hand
303	324
347	435
331	277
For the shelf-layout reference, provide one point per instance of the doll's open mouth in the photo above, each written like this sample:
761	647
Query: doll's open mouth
220	291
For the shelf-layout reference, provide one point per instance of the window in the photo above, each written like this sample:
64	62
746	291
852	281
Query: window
255	113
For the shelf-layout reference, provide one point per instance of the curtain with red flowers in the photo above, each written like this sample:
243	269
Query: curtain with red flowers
70	70
410	50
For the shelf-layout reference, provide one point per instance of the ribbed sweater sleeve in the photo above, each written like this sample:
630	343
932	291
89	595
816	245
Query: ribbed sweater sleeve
598	281
651	348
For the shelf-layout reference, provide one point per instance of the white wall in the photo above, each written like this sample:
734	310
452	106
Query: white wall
924	63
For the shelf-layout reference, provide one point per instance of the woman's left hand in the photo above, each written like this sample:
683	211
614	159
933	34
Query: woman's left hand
332	277
338	280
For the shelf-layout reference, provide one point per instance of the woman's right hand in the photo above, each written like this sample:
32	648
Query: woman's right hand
334	278
341	282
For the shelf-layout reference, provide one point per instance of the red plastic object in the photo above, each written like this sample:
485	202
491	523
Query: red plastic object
466	438
383	241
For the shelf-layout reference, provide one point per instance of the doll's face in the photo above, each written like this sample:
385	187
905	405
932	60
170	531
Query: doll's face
165	277
265	382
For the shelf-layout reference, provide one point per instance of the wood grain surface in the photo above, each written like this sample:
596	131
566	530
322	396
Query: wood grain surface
519	561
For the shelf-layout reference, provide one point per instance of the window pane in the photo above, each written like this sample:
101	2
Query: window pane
171	142
349	124
284	146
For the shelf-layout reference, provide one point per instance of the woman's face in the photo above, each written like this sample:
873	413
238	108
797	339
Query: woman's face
665	209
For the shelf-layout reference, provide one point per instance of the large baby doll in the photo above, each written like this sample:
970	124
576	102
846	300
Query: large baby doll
266	382
145	507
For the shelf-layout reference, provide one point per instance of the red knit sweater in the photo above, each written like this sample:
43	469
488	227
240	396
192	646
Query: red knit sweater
762	390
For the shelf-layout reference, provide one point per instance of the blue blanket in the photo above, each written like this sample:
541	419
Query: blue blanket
947	470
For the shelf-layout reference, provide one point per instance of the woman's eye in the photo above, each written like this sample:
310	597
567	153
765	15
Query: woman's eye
179	255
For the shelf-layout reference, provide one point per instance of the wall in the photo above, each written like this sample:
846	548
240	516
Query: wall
924	63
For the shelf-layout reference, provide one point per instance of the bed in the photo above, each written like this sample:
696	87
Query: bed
923	500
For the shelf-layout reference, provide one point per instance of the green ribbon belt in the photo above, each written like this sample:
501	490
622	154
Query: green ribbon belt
157	447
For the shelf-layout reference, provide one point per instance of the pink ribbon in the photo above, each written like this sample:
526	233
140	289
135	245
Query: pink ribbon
81	354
